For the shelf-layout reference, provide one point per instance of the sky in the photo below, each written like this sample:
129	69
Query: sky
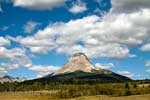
37	37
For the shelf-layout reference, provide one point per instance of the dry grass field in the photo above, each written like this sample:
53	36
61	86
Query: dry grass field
40	96
134	97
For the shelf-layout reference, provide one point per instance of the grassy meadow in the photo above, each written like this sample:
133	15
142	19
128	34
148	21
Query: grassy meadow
43	96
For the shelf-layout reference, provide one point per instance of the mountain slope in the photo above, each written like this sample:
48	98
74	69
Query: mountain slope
79	67
87	76
7	78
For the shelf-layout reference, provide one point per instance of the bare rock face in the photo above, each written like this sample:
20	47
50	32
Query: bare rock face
78	62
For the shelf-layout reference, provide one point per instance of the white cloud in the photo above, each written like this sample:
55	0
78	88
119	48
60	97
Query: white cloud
3	71
147	64
12	53
145	47
103	50
129	6
109	42
39	4
148	71
17	57
37	45
126	73
78	7
30	26
8	66
111	35
104	66
4	41
14	58
43	70
11	65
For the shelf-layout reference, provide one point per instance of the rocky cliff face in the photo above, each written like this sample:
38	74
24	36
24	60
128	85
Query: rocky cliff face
78	62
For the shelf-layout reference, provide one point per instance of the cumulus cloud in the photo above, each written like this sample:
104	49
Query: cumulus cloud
43	70
78	7
4	41
14	58
126	73
8	66
3	71
145	47
39	4
11	58
129	6
111	35
37	45
104	66
107	36
11	53
147	64
148	71
17	57
30	26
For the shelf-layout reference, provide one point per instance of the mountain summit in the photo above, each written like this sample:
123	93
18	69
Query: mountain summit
77	62
79	67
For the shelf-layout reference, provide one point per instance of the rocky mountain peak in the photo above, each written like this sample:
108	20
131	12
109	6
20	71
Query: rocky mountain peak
77	62
79	54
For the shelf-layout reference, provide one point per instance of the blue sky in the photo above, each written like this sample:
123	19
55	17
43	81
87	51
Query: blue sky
38	36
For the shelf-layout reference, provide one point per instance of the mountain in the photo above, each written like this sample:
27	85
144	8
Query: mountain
79	67
78	62
7	78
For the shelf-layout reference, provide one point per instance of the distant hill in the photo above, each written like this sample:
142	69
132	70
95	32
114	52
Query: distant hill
7	78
